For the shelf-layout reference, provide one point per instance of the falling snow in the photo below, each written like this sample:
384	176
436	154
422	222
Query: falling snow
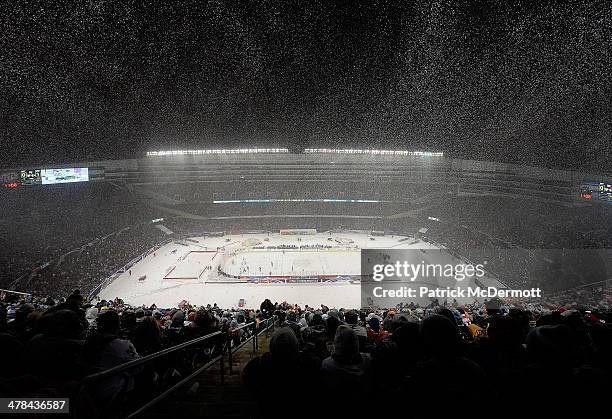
517	81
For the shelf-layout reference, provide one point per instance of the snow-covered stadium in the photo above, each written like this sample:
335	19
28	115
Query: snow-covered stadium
251	209
233	226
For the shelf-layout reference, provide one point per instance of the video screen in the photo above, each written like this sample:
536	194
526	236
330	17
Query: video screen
66	175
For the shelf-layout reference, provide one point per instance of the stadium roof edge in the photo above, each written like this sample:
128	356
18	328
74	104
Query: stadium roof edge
452	163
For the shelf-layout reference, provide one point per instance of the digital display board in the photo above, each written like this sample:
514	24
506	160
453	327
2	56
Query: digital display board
596	191
30	177
9	180
66	175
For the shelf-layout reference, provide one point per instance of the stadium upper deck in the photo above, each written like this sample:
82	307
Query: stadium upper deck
324	184
363	174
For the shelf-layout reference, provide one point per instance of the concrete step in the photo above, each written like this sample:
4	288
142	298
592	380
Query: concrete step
212	398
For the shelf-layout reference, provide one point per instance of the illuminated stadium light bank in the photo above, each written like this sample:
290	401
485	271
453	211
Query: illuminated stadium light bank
286	150
375	152
217	151
267	201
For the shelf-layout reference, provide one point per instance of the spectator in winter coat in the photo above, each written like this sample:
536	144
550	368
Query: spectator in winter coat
262	374
347	373
103	350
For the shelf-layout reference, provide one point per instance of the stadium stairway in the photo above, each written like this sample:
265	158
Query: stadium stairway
208	397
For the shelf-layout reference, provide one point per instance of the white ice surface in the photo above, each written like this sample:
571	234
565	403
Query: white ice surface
344	259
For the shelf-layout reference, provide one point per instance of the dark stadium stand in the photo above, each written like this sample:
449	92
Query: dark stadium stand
114	360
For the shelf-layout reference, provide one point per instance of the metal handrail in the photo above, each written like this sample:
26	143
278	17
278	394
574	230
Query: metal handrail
226	348
243	326
136	362
253	337
184	381
210	363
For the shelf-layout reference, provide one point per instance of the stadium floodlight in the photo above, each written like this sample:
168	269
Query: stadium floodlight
375	152
273	200
216	151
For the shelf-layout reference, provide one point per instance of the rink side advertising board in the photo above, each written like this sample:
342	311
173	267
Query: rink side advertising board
298	232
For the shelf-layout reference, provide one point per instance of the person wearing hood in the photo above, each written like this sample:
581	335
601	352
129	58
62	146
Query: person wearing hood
315	338
262	374
178	318
347	373
443	364
292	322
352	320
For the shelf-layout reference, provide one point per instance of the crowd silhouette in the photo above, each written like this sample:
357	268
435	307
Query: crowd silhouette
496	356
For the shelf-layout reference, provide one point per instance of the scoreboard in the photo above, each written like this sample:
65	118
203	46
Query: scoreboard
53	176
596	191
14	179
30	177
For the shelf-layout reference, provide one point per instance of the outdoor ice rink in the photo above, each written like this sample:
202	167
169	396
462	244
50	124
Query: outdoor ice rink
327	262
207	270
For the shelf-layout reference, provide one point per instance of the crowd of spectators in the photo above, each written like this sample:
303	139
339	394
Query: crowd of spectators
496	358
528	223
40	224
490	355
88	265
53	344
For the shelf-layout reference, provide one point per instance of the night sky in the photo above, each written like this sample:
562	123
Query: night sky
526	81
